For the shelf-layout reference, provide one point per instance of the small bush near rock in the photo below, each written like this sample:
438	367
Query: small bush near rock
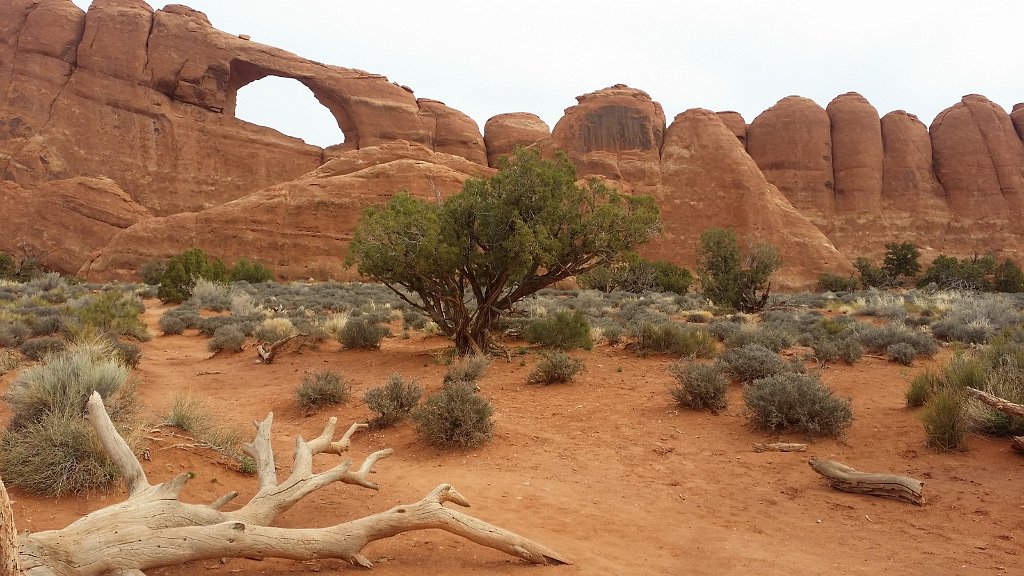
555	368
321	389
228	338
361	334
393	401
454	416
700	386
799	402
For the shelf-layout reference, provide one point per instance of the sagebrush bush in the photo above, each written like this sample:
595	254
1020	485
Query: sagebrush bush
454	416
36	348
468	369
129	353
243	305
359	333
210	295
13	334
674	339
799	402
228	338
975	318
321	389
274	329
901	352
555	368
152	271
566	330
878	339
724	327
945	424
752	361
392	402
771	336
8	360
700	386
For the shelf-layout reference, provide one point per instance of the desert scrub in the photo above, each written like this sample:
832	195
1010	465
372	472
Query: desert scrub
752	361
37	348
467	369
555	367
922	386
564	331
188	413
674	339
8	360
975	318
274	329
320	389
878	339
48	446
210	295
114	312
700	386
454	416
797	401
177	320
771	336
228	338
945	422
360	333
393	401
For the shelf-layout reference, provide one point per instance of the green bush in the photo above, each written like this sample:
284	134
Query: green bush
944	421
251	272
468	369
228	338
635	275
947	272
321	389
555	368
922	387
564	331
184	269
454	416
674	339
361	334
393	401
833	283
901	260
797	401
727	278
113	312
700	386
872	276
152	271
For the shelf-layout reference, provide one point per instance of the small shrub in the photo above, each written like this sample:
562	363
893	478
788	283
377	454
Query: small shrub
564	331
752	361
700	386
393	401
468	369
674	339
251	272
321	389
152	271
922	387
361	334
878	339
723	328
243	305
184	269
8	360
210	295
228	338
37	348
274	329
114	312
944	421
454	416
13	334
797	401
129	353
828	282
555	368
902	353
188	414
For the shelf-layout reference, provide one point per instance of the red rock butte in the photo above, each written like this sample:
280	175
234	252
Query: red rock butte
119	145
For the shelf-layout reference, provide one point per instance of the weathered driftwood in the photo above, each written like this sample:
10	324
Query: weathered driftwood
1004	406
153	528
268	351
842	477
779	447
9	565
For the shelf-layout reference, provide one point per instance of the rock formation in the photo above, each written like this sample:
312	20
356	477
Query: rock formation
119	144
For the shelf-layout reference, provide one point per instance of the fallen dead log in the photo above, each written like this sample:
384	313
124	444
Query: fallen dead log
267	351
842	477
1004	406
153	528
9	561
779	447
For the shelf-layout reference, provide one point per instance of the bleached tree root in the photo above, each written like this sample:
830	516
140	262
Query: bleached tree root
779	447
153	528
267	351
9	564
842	477
1004	406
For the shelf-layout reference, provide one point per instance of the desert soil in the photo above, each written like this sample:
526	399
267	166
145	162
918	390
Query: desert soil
606	470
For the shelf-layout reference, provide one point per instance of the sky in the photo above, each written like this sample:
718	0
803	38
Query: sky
486	58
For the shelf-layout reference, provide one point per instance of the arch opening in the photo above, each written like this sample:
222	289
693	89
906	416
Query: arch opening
288	106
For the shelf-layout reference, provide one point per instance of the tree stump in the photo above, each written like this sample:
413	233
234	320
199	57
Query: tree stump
842	477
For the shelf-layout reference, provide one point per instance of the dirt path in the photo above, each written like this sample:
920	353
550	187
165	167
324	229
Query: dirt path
606	470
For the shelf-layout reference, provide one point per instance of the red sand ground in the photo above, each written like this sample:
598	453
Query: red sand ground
605	470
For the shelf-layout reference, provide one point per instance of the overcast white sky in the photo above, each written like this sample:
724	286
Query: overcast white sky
485	58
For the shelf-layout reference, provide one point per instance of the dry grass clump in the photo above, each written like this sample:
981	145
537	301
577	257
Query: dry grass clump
454	416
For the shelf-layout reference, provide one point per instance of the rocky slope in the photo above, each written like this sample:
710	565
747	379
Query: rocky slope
118	144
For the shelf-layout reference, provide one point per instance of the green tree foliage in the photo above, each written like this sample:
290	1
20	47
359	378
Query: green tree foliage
23	271
473	256
251	272
636	275
983	273
872	276
183	270
1008	277
901	260
730	280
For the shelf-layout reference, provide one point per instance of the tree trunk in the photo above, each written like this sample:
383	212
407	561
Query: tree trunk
842	477
153	528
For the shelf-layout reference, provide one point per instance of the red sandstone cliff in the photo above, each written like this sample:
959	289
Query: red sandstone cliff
118	144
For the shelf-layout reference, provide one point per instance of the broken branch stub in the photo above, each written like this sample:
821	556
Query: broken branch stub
842	477
152	528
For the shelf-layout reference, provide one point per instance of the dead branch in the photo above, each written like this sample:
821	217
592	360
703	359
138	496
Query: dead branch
267	352
842	477
1004	406
152	528
779	447
9	561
